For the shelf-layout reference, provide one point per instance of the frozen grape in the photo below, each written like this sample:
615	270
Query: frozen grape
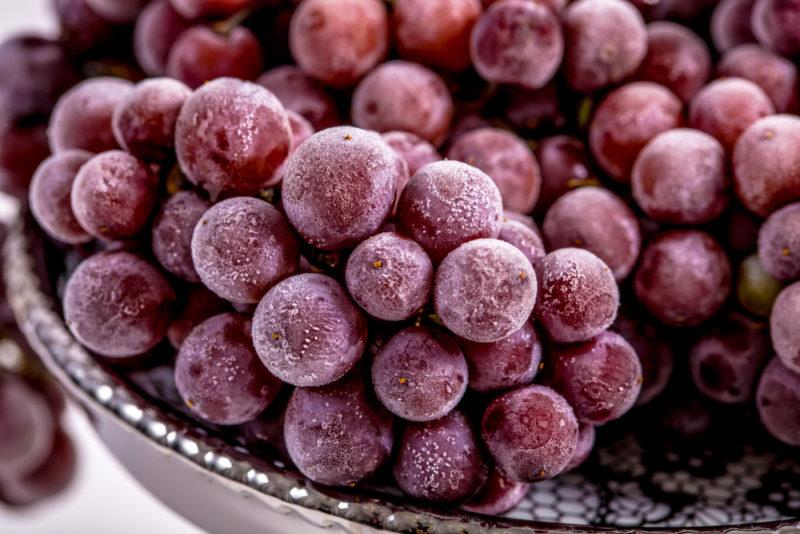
730	24
113	195
525	220
606	41
243	246
301	130
390	276
302	94
339	187
584	448
578	296
414	150
117	304
226	160
498	495
507	160
449	203
783	327
485	290
400	95
440	460
531	433
50	196
338	41
776	25
172	233
336	435
517	42
564	165
307	331
193	9
157	29
766	164
779	243
27	427
756	288
599	221
144	120
526	238
199	305
219	375
776	75
778	402
626	120
420	374
683	278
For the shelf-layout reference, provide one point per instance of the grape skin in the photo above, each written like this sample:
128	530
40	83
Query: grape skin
776	75
156	30
730	24
193	9
199	304
778	402
779	243
302	94
564	165
48	479
414	150
776	25
173	228
532	110
783	327
301	130
498	495
586	436
525	238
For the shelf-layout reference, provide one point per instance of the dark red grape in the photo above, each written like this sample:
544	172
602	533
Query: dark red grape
117	11
336	435
81	28
777	76
498	495
412	149
776	25
517	42
507	160
27	427
199	305
301	130
778	402
683	278
157	29
226	160
266	430
730	24
484	290
48	479
755	287
525	220
584	448
526	238
117	304
302	94
193	9
564	165
779	243
529	109
21	152
783	327
440	460
172	233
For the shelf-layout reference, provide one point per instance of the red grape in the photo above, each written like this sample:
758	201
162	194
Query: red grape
526	238
302	94
193	9
498	495
81	28
199	305
301	130
157	29
584	448
777	76
533	109
778	402
48	479
783	327
21	152
412	149
117	11
172	233
730	24
564	165
779	243
27	427
776	25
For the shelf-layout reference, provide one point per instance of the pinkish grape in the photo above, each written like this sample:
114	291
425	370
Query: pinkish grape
301	130
536	109
564	165
414	150
302	94
778	402
776	25
730	24
193	9
157	29
199	305
783	327
585	446
27	427
779	243
173	228
498	495
527	239
776	75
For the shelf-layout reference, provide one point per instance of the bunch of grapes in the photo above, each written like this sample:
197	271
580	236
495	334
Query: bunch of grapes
330	210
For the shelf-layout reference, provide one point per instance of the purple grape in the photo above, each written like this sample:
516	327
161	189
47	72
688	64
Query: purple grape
485	290
301	130
525	220
113	195
511	362
507	160
467	123
525	238
779	243
48	479
498	495
783	327
21	152
83	116
219	375
302	94
308	332
390	276
157	29
144	120
599	221
27	427
776	25
82	29
194	9
400	95
412	149
531	433
517	42
242	247
683	278
336	435
584	448
199	305
777	76
448	203
266	430
172	233
578	296
420	374
440	460
117	304
529	109
756	288
730	24
50	196
117	11
564	165
778	402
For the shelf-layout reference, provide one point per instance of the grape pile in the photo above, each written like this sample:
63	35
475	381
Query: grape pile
323	218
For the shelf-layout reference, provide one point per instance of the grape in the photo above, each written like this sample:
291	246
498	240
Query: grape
266	430
564	165
301	94
412	149
172	233
779	243
783	327
626	120
743	229
777	76
225	160
200	54
193	9
525	220
507	160
584	448
308	332
157	29
517	42
339	187
21	152
766	164
400	95
200	304
498	495
725	361
117	304
82	29
730	24
50	196
420	374
606	41
778	402
113	195
301	130
144	120
117	11
390	276
336	435
756	288
683	277
485	290
599	221
82	117
578	296
338	41
27	427
531	433
449	203
48	479
513	361
219	375
525	238
776	25
529	109
243	246
440	460
676	58
555	5
435	32
725	108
